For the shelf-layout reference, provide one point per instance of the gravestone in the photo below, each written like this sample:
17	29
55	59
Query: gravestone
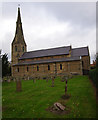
59	106
18	85
53	77
14	79
8	80
28	77
66	86
47	78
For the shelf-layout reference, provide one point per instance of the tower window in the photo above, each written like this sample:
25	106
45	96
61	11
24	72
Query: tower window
23	48
37	68
18	69
60	66
48	67
27	69
15	48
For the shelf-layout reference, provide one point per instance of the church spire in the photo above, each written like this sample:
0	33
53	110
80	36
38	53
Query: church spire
19	29
19	37
18	44
19	16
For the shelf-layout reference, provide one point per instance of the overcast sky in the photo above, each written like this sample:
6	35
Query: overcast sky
49	25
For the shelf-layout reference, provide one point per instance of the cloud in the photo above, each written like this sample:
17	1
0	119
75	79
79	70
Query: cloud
51	25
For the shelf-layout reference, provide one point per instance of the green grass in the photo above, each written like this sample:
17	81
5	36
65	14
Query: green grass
35	98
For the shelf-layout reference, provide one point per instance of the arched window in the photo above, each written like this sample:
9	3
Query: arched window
27	69
60	66
15	48
82	64
18	69
48	67
37	68
23	48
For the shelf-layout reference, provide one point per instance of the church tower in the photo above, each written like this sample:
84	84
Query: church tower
18	44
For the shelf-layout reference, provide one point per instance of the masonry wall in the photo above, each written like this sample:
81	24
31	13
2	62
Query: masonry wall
86	62
17	54
68	68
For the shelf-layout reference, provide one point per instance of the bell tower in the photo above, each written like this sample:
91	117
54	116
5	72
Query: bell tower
18	44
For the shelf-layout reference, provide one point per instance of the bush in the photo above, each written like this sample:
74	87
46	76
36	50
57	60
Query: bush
93	76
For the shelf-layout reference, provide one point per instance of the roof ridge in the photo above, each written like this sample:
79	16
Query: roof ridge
48	49
80	47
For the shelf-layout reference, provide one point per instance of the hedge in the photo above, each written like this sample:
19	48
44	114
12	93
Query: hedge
93	75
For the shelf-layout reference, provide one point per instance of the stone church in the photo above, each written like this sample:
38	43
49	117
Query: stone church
47	62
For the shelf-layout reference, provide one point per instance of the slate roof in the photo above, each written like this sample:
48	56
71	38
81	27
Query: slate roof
83	51
48	61
75	55
46	52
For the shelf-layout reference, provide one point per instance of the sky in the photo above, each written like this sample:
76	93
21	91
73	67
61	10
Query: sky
49	25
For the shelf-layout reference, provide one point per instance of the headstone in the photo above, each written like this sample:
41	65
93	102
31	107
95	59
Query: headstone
18	85
66	87
28	77
53	81
14	79
59	106
8	80
47	78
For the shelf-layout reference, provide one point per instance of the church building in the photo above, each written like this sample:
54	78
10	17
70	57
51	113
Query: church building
57	61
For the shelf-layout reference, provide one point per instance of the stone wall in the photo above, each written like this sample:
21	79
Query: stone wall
17	54
74	67
86	62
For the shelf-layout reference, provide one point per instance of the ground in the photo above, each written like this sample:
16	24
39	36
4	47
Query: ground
36	98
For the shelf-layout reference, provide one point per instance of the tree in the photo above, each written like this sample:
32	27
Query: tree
6	69
97	61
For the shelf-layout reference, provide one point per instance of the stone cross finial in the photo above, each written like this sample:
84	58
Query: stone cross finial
18	5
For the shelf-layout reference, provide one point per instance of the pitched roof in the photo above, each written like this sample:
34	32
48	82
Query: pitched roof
48	61
46	52
83	51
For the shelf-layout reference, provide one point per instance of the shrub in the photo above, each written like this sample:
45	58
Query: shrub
92	75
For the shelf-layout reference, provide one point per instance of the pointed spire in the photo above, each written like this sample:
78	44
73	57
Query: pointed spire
19	23
19	37
19	16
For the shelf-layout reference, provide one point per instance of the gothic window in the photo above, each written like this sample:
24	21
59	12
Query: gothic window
23	48
27	69
18	69
15	48
48	67
37	68
82	63
60	66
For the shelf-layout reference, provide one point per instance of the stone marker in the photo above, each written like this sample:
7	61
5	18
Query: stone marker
66	88
53	81
28	77
14	79
8	80
18	85
59	106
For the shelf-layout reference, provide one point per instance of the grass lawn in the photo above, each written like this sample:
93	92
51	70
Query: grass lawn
35	98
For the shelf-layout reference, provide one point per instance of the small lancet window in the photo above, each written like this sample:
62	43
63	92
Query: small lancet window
23	48
82	63
60	66
15	48
37	68
27	69
48	67
18	69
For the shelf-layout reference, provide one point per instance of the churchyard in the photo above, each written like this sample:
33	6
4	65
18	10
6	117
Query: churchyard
37	98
